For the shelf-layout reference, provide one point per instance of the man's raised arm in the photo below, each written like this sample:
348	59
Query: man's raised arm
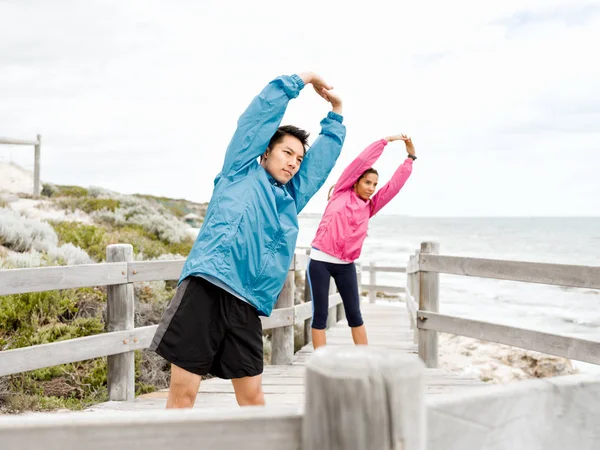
323	154
261	119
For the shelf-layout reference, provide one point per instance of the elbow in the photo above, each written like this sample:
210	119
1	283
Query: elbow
335	139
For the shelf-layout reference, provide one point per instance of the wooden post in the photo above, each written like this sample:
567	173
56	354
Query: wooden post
119	316
332	312
429	287
372	282
361	397
282	343
409	284
410	290
416	294
36	167
307	298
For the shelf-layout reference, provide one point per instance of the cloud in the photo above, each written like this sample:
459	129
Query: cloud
570	15
144	96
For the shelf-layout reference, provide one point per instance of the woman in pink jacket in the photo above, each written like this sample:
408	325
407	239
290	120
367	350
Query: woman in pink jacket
341	233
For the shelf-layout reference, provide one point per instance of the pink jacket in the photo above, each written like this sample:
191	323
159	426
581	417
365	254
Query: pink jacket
343	227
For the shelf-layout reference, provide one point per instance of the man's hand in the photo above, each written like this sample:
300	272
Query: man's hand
333	98
314	79
410	148
324	89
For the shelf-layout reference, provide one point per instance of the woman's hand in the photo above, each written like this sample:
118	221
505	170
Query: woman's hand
410	148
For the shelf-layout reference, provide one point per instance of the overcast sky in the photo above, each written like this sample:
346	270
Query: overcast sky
502	98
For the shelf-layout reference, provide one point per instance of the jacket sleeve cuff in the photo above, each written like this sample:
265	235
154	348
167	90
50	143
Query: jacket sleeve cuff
299	81
292	85
335	116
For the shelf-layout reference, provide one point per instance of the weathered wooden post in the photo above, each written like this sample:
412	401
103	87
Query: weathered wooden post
307	298
416	293
429	287
332	312
119	316
36	167
282	341
37	144
410	286
372	282
361	397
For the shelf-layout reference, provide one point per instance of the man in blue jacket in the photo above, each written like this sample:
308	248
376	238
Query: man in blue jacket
245	247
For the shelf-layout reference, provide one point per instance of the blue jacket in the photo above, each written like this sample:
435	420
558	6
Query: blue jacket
248	238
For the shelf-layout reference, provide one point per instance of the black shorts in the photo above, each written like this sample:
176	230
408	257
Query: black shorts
206	330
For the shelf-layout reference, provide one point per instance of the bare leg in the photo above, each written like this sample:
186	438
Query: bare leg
319	338
359	335
183	389
248	390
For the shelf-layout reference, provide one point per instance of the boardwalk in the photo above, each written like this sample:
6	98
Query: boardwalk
405	403
388	327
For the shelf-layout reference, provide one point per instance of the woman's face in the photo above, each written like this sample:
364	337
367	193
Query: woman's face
365	187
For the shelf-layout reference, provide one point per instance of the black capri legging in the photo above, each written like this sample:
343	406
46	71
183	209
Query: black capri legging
319	274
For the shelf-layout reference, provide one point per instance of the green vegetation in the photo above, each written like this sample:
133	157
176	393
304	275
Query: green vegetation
45	317
179	207
41	318
88	204
95	238
152	225
56	190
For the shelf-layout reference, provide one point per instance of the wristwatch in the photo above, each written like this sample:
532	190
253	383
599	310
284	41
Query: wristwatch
413	157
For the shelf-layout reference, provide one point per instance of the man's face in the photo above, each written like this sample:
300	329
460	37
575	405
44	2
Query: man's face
284	159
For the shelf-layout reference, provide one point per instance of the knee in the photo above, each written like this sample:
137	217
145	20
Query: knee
183	388
182	396
254	397
354	319
319	321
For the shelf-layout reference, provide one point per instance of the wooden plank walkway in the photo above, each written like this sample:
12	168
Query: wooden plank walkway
387	326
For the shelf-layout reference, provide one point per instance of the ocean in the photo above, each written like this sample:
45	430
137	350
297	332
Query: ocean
561	310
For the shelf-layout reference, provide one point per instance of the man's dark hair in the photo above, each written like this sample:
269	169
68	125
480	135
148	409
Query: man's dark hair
290	130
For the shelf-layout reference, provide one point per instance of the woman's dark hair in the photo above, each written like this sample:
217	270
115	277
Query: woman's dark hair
330	192
367	172
364	174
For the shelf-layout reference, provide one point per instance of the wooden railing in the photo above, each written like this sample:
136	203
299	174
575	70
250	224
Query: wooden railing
122	338
422	300
37	145
356	397
372	288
